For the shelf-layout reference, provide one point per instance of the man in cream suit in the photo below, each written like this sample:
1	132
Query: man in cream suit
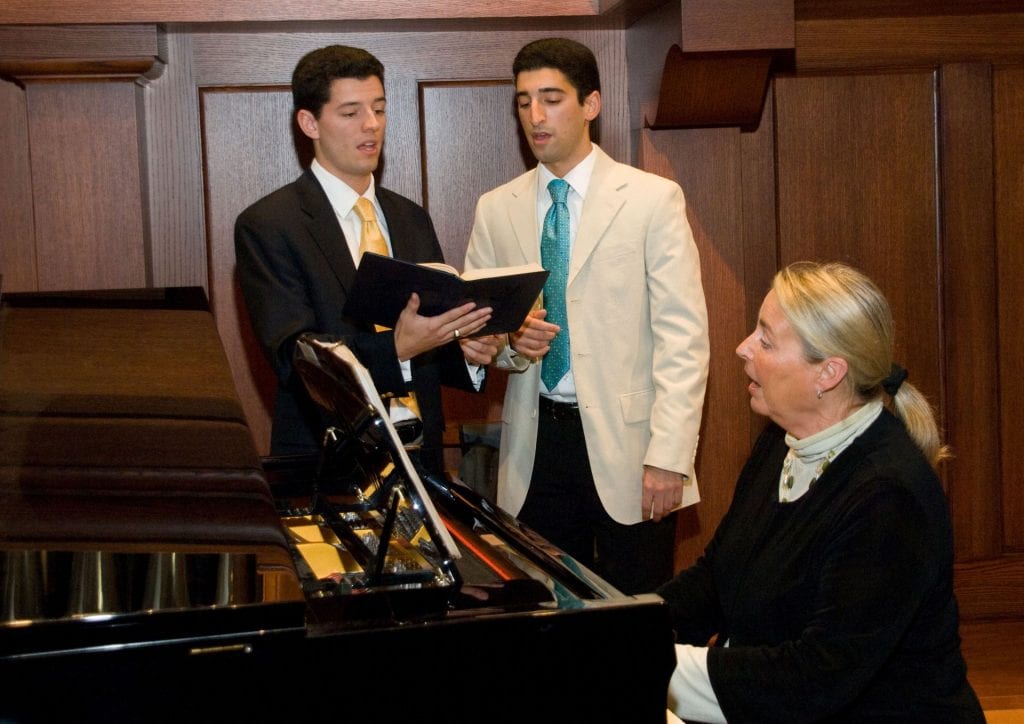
598	462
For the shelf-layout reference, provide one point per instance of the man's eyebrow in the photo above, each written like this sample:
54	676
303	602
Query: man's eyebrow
347	104
553	89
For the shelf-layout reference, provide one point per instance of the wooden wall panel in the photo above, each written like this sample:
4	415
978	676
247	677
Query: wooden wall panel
86	185
856	183
1009	195
760	233
707	164
173	168
248	151
970	327
729	181
489	152
17	232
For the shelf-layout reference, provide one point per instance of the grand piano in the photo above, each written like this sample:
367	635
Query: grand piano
154	568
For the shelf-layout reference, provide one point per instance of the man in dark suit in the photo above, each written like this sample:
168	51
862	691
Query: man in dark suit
297	250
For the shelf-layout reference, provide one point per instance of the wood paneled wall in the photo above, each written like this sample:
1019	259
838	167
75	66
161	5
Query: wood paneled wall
857	172
1008	148
886	145
17	243
80	141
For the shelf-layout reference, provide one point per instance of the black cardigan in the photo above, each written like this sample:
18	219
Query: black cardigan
839	605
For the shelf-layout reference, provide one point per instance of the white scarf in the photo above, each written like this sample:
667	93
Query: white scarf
808	458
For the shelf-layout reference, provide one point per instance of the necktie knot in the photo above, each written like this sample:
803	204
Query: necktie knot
371	238
559	190
364	210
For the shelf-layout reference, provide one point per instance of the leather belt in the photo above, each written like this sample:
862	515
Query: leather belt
559	410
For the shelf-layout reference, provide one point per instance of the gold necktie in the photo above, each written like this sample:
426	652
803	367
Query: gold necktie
371	239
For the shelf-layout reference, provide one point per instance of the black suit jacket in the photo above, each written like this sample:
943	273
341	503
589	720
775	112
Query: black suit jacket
295	269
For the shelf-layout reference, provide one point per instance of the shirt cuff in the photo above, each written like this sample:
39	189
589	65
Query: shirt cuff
690	696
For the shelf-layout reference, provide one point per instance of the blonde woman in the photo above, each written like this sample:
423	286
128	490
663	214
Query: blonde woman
828	586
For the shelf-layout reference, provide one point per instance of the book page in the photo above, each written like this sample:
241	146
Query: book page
501	271
440	266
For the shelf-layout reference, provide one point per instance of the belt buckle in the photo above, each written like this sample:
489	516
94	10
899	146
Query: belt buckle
560	410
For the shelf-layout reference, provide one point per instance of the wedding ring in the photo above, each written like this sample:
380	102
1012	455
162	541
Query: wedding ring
457	333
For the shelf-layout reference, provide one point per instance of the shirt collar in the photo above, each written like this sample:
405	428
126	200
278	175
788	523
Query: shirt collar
578	177
340	194
838	435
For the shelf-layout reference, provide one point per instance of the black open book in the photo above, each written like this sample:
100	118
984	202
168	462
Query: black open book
383	284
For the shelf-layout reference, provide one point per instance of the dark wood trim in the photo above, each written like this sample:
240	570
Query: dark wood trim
824	9
73	42
860	44
969	351
992	589
63	69
41	12
1008	90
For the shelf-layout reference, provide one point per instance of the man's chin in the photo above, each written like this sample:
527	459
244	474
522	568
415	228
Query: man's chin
542	153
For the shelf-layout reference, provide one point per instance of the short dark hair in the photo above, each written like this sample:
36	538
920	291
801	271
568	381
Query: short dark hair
574	59
316	70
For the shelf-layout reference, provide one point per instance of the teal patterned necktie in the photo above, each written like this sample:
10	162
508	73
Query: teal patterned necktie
554	253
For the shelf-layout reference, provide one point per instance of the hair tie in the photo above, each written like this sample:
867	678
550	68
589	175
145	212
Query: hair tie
891	384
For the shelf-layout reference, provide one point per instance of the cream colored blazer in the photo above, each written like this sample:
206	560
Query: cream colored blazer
638	325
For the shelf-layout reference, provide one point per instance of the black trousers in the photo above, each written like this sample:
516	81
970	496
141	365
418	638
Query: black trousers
563	506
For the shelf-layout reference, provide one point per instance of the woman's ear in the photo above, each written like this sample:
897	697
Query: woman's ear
833	371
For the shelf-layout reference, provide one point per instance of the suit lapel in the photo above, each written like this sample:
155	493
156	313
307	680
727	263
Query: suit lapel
402	233
522	216
324	229
604	199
